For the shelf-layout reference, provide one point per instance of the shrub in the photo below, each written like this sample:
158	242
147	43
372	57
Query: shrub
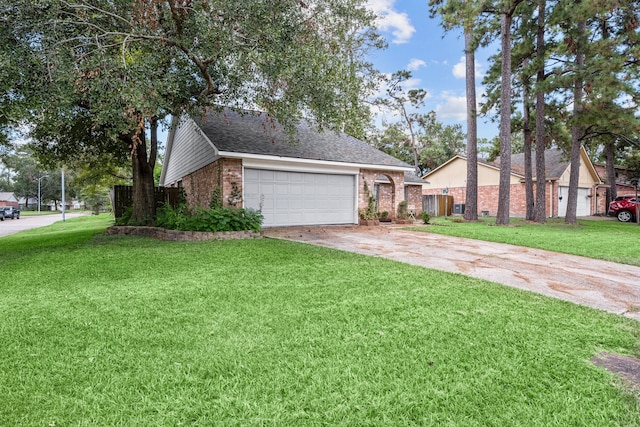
425	217
403	213
125	218
222	218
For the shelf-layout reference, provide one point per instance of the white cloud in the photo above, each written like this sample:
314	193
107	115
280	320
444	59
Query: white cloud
416	64
459	69
412	83
454	107
392	21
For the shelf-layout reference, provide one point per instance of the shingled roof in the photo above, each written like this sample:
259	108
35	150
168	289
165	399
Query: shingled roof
555	163
253	133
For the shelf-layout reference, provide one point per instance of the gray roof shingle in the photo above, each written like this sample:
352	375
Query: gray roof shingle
253	133
555	162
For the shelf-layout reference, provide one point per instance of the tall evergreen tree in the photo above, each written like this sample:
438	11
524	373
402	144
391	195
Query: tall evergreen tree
540	134
506	19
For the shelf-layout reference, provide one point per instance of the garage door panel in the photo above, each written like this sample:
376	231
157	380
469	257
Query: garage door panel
297	198
583	205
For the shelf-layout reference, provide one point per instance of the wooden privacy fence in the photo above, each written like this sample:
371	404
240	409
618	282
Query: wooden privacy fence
123	198
437	204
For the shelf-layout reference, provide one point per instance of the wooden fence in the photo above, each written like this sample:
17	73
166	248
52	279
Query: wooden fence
437	204
123	198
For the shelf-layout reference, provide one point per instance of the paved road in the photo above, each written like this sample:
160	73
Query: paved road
600	284
11	226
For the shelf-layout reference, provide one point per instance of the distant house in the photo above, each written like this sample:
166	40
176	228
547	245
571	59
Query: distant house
318	178
452	176
624	185
8	199
24	203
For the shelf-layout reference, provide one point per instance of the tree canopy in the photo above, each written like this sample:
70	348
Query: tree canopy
92	77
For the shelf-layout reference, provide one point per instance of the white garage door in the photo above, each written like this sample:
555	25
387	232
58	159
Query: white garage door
583	207
297	198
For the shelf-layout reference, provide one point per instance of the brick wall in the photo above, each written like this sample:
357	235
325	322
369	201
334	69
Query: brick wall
390	195
226	174
488	198
414	198
223	174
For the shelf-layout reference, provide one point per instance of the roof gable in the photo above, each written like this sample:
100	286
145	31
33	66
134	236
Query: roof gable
556	165
7	196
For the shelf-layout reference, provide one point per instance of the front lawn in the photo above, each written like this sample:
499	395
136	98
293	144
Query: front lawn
602	239
105	330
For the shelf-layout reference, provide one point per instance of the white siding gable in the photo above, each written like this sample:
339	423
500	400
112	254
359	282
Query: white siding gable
190	151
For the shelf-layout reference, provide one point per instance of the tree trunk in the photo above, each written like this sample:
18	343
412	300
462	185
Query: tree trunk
144	206
502	217
576	130
528	173
471	199
541	175
414	145
612	191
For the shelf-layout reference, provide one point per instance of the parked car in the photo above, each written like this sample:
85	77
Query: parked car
624	196
624	209
11	212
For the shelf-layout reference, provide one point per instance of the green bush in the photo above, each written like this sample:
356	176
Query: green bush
221	218
425	217
403	213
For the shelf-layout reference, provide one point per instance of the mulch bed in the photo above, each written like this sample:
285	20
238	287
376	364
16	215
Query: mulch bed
626	367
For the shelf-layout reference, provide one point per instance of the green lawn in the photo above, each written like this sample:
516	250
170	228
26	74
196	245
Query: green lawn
45	212
602	239
100	330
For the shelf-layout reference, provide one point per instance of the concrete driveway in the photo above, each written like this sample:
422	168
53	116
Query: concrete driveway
11	226
599	284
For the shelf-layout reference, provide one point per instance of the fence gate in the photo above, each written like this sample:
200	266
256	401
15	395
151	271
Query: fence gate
437	204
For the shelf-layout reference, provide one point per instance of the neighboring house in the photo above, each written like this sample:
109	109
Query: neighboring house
27	203
624	185
8	199
318	178
56	205
452	176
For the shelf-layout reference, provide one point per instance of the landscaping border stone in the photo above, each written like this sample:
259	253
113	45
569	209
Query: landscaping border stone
179	236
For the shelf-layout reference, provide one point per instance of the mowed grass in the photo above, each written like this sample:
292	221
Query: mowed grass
602	239
99	330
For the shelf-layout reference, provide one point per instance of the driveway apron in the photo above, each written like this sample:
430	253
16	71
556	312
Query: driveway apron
599	284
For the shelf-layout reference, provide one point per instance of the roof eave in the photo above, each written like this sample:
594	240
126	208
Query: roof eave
236	155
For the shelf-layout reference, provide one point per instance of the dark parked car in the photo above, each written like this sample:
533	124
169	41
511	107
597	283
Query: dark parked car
624	209
10	212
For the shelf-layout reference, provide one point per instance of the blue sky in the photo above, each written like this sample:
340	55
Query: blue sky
435	59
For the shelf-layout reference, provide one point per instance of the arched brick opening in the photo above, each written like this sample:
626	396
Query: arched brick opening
386	187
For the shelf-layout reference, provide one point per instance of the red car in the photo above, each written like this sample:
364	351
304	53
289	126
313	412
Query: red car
624	210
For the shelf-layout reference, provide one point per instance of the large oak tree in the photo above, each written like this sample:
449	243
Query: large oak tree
101	75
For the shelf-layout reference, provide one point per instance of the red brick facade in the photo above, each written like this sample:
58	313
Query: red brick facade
223	174
389	195
488	199
226	175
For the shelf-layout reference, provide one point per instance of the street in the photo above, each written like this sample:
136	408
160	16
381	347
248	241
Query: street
11	226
